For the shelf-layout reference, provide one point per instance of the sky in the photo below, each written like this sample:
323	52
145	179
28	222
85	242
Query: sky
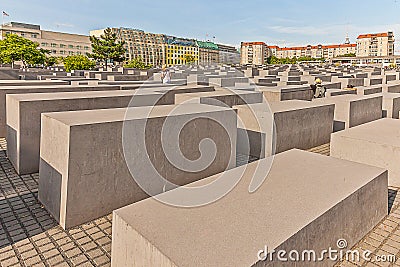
278	22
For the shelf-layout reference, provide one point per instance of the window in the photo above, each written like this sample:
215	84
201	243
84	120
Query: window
63	45
70	46
78	47
86	47
45	44
53	45
23	34
34	35
54	51
71	53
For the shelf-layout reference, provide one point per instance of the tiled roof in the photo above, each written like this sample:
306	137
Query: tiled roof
316	47
363	36
253	43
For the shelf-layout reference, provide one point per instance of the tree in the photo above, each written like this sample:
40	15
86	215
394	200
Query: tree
17	48
137	63
107	48
190	59
78	62
51	61
348	55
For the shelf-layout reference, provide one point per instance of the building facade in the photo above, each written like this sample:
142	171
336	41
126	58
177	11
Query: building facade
254	53
318	51
228	54
208	53
375	45
58	43
177	51
148	46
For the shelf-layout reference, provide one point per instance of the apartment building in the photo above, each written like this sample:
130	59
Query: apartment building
254	53
318	51
228	54
148	46
208	53
375	45
58	43
177	50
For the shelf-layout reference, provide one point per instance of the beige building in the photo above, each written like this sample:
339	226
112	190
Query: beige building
228	54
208	53
318	51
255	53
375	45
148	46
58	43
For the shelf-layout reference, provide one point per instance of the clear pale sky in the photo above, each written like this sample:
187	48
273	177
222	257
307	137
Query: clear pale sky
278	22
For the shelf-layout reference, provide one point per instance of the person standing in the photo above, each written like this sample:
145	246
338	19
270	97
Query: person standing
165	75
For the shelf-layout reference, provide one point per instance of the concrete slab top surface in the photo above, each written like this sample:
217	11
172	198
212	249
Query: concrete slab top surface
346	98
384	131
120	114
219	93
49	86
282	106
230	234
2	82
71	95
390	95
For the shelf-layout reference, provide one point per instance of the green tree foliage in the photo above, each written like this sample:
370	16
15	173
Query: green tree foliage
137	63
190	59
51	61
348	55
78	62
294	60
107	48
17	48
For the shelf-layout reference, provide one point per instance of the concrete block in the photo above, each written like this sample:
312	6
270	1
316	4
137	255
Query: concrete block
375	143
221	98
284	93
354	110
369	90
228	82
292	124
24	110
296	208
391	105
47	88
82	156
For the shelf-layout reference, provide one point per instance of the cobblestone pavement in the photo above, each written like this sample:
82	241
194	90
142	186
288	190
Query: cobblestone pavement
29	236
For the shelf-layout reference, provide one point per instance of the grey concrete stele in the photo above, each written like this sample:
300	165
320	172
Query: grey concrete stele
354	110
376	143
83	173
23	118
40	87
23	115
232	230
293	124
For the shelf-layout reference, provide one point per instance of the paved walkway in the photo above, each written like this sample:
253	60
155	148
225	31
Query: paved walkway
29	236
